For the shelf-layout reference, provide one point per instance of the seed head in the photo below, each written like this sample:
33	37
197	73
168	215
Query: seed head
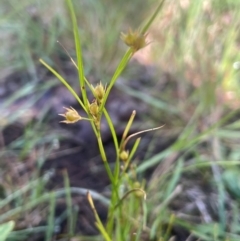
94	109
71	116
124	155
134	39
139	193
99	91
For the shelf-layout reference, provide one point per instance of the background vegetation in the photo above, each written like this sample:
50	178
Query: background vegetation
192	184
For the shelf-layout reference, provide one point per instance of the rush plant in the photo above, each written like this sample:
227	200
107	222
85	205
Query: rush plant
125	220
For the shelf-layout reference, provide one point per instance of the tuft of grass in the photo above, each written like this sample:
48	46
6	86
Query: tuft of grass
94	110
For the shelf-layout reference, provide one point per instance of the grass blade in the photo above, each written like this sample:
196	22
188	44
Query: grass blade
64	82
78	51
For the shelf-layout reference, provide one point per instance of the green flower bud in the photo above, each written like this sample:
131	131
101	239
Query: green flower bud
124	155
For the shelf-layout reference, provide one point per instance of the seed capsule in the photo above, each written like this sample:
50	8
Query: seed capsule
71	116
134	39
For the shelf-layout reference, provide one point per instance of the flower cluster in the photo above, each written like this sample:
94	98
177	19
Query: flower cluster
134	39
99	93
72	116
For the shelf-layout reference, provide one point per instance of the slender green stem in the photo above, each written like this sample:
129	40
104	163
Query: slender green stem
112	129
115	140
69	203
150	21
129	192
128	126
134	149
51	217
78	51
64	82
117	73
114	201
104	158
99	222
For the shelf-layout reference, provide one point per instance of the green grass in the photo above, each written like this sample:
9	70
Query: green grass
198	45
